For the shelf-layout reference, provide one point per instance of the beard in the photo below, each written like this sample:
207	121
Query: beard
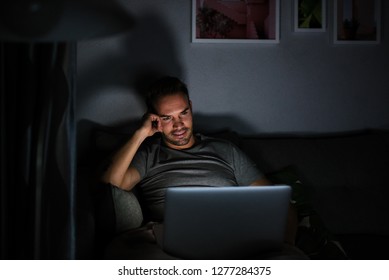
172	138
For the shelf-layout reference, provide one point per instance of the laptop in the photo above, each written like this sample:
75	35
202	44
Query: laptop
224	222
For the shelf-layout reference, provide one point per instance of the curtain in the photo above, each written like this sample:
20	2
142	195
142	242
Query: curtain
38	150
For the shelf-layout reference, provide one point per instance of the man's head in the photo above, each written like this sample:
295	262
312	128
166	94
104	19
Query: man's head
169	99
164	87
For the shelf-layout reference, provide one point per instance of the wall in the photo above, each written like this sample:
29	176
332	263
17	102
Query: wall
303	84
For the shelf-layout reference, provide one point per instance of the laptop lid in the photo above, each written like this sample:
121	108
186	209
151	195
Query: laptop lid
224	222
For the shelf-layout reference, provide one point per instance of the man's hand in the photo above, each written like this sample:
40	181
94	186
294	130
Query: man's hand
151	124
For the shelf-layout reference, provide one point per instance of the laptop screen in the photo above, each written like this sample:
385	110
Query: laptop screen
224	222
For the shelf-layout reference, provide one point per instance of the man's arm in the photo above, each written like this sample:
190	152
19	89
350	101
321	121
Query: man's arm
119	173
292	221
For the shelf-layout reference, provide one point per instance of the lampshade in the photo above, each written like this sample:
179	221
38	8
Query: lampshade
61	20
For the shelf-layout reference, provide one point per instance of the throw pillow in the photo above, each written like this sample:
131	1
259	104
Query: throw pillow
128	211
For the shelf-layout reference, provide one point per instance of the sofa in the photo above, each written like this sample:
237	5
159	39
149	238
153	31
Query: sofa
339	183
343	179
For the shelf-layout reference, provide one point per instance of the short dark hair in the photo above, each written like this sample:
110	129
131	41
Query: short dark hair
163	87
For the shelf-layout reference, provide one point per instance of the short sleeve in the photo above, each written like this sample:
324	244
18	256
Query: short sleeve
246	171
139	162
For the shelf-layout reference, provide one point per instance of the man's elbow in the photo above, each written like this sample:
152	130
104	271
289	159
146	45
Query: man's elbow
107	178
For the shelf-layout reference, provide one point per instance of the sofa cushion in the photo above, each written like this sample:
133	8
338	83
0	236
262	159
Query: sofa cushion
128	212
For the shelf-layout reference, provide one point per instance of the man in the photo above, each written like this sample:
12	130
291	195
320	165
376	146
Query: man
178	156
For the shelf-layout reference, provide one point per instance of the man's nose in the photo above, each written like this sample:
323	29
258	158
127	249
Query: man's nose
178	123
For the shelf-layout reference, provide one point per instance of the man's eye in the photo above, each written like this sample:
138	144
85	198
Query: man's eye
165	119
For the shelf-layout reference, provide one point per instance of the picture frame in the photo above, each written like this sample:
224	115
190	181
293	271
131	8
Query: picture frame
235	21
357	22
310	15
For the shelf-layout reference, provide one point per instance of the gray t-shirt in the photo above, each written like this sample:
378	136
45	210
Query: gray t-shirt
210	162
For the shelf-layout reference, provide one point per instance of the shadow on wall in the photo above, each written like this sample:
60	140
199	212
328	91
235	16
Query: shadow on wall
114	73
131	60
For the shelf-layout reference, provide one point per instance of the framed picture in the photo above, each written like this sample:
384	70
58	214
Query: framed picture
357	21
235	21
310	15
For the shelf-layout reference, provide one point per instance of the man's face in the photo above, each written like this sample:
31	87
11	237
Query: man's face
175	114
